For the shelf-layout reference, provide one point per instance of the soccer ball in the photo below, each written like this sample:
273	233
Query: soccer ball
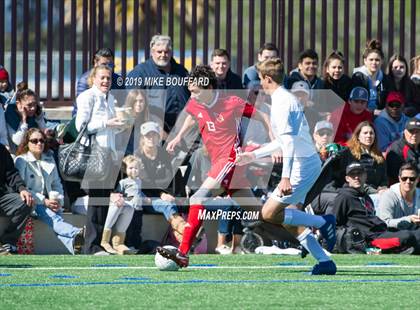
165	264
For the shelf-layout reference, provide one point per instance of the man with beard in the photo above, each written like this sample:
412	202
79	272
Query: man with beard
163	77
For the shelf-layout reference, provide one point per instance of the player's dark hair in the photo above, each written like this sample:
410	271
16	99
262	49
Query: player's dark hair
204	71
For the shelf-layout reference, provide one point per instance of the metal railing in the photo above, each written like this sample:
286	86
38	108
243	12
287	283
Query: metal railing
50	43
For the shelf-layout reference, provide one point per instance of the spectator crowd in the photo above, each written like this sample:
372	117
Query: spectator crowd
365	127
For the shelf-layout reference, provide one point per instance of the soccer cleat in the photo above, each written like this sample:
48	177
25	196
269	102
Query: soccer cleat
328	231
324	268
174	254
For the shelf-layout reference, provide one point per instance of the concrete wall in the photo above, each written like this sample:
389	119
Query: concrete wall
154	228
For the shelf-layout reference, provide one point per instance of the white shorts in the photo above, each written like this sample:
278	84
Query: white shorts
304	174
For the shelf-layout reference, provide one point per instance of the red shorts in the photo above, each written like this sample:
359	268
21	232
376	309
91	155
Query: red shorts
228	174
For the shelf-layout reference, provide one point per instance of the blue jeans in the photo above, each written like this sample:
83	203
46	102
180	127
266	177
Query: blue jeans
226	227
160	206
65	231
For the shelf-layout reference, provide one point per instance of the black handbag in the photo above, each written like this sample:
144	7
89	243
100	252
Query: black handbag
83	160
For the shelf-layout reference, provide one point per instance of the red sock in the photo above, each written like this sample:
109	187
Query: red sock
191	228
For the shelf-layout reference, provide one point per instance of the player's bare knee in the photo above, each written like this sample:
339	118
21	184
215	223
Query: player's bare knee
273	214
298	206
294	230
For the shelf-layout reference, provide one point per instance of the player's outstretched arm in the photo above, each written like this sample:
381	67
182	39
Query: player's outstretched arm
265	119
245	158
186	126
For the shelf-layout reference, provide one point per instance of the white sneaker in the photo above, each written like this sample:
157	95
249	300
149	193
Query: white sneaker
238	250
223	250
101	253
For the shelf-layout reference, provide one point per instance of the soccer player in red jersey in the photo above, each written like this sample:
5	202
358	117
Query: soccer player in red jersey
218	116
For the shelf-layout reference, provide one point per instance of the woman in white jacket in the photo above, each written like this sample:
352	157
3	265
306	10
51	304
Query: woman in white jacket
96	107
38	169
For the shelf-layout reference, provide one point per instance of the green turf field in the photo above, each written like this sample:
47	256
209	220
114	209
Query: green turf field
213	281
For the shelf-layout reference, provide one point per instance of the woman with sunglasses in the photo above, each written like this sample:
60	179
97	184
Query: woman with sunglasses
37	168
390	123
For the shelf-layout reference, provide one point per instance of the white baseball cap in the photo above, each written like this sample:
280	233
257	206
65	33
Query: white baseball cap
148	127
323	125
300	86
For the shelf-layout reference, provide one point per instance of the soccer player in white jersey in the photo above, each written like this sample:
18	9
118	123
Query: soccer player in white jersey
301	168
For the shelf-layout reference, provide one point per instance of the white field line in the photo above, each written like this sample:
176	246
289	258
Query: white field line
215	267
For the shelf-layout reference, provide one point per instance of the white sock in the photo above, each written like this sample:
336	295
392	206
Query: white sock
299	218
309	242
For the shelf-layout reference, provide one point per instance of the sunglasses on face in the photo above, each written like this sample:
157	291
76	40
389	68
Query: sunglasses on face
412	179
324	132
36	141
394	105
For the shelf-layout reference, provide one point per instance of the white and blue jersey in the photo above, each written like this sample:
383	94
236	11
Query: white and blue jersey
301	162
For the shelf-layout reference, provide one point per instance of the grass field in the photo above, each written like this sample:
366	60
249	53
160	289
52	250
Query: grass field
212	281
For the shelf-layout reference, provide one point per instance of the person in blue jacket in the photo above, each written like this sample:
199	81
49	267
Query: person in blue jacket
164	79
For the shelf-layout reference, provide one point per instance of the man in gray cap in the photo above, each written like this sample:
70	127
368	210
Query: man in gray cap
406	149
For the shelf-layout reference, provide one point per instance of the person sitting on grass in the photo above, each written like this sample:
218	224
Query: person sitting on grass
354	209
399	206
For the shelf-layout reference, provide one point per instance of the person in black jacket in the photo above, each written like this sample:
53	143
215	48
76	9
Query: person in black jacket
400	81
220	64
306	71
15	202
334	77
406	149
157	186
353	208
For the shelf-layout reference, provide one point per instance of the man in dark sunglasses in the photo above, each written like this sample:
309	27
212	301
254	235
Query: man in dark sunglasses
405	149
391	122
399	206
323	134
354	210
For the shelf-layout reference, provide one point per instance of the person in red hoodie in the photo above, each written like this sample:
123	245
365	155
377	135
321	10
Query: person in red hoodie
345	119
